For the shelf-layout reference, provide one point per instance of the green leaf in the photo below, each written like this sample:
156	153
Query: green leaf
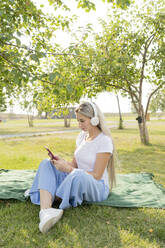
18	41
56	91
34	57
19	33
53	75
69	88
41	55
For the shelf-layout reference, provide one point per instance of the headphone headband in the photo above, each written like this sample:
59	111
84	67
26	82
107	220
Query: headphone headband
94	119
94	109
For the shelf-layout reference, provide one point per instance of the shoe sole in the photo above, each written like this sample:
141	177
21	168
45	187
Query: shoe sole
49	223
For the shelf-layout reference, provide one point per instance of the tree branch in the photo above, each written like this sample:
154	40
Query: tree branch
114	86
131	91
150	96
147	44
45	81
18	67
9	62
122	88
133	100
46	53
131	85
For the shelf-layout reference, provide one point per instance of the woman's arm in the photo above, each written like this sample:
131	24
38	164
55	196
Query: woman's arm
100	165
73	163
64	165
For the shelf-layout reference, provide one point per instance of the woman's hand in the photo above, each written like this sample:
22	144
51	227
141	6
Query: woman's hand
62	165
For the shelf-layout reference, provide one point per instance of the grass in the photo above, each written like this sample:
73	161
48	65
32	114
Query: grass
86	226
21	126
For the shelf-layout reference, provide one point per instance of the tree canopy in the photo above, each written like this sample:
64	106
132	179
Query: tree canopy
21	24
26	34
129	52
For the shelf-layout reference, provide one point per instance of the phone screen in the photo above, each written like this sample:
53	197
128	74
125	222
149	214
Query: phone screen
51	155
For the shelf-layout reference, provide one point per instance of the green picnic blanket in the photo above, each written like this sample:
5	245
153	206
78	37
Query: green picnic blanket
132	190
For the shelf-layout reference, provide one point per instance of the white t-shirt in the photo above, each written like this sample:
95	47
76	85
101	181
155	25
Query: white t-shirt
85	153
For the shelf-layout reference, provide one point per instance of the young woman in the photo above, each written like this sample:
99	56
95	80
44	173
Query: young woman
86	178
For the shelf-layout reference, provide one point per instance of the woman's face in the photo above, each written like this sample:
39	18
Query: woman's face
84	122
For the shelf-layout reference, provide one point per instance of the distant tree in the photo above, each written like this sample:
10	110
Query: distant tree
158	102
3	101
120	115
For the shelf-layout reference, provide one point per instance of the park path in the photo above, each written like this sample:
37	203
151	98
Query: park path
6	136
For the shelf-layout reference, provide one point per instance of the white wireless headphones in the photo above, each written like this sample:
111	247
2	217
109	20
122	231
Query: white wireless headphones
95	119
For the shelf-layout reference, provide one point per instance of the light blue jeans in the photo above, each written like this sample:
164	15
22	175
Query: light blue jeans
73	188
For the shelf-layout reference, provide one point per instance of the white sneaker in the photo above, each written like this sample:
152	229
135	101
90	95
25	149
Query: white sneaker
27	193
48	217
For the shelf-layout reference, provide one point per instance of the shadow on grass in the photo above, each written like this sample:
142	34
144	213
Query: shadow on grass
85	226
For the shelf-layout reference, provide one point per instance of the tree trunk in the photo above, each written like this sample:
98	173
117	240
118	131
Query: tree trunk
66	121
120	116
30	120
46	115
143	127
143	133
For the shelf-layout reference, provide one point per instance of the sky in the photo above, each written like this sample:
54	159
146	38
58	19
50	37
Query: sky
106	101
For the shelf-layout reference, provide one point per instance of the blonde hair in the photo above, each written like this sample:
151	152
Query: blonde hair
87	110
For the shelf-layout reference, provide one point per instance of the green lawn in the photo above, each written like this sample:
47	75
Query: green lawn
40	125
85	226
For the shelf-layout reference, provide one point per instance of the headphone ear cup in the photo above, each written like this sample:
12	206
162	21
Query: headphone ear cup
94	121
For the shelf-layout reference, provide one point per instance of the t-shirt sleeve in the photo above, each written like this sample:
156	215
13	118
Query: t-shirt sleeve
105	145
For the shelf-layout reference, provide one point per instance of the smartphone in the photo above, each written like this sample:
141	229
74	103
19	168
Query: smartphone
51	155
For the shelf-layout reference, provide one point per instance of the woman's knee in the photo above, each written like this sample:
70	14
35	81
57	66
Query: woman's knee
45	164
45	161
